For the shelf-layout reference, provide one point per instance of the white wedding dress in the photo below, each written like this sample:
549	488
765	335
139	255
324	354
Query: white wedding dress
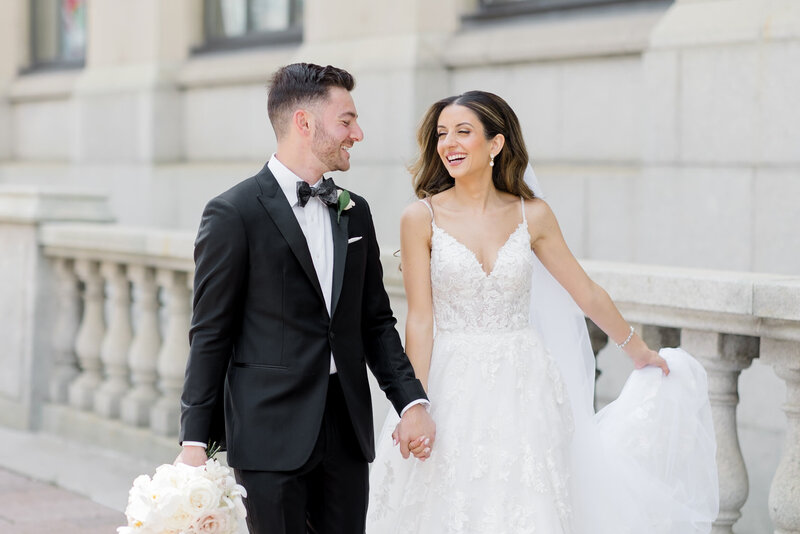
515	452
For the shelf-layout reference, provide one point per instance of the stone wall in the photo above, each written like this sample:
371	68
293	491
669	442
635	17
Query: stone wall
663	133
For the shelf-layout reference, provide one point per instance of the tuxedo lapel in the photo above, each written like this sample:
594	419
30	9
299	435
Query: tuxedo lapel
339	231
274	201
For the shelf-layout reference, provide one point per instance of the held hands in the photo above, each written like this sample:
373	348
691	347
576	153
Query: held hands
415	433
192	455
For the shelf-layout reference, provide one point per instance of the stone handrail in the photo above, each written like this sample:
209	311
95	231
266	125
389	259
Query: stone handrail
120	350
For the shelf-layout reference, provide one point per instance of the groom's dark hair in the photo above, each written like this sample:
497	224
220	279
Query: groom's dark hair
298	85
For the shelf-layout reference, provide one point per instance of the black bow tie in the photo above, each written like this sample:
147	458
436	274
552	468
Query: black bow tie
326	192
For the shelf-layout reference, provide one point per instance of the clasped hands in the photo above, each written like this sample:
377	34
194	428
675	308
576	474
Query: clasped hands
415	433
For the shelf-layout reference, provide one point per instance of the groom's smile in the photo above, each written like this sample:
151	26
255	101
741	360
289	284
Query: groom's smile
336	130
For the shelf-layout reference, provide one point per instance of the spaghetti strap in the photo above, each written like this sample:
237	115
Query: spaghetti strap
428	205
522	204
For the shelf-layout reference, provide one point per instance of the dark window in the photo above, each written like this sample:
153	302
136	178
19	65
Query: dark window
58	33
488	9
244	23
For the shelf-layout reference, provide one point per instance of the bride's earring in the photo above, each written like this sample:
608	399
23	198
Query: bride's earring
491	160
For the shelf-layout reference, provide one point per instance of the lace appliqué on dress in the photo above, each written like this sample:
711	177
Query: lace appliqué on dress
504	425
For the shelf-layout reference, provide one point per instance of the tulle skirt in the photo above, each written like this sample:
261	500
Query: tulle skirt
513	456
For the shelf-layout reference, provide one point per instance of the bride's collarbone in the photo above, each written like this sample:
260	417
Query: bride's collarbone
482	233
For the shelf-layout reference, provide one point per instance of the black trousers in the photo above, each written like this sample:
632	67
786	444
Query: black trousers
327	495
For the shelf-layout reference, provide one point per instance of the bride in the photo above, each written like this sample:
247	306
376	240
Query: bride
503	354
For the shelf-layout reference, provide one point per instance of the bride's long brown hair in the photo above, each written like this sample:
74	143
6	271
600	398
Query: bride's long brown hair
497	117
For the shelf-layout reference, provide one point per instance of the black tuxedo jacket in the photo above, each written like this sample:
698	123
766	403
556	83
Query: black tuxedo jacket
261	336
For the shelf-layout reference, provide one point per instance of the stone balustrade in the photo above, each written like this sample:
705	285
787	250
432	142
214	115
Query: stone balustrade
726	320
121	338
119	345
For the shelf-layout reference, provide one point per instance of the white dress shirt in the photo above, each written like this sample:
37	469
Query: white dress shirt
315	222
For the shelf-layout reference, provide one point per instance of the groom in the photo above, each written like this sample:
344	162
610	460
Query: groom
289	304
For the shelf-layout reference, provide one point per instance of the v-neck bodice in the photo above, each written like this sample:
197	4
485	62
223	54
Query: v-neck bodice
465	297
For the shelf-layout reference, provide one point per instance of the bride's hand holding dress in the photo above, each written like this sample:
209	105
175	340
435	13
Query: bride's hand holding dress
647	356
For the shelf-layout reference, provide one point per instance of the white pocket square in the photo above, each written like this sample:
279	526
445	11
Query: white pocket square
353	239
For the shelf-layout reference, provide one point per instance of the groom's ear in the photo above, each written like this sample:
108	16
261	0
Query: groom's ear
302	122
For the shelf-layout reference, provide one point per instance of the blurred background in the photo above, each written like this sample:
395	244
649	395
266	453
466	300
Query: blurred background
666	135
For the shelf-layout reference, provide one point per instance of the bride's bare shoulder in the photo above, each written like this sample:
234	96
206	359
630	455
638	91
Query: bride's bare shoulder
539	214
422	209
537	208
416	216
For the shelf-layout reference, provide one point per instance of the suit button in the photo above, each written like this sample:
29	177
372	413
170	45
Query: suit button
331	336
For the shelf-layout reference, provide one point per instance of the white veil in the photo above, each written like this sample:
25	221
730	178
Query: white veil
562	326
646	462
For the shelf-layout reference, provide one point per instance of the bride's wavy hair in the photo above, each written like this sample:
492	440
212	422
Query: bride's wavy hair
497	117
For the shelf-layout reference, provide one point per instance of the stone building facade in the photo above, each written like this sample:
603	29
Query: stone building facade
663	132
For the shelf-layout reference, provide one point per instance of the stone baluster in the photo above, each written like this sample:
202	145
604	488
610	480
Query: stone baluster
65	366
784	493
117	341
724	357
164	418
90	336
143	355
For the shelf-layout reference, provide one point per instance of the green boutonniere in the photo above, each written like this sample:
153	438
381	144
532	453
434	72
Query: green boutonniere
343	203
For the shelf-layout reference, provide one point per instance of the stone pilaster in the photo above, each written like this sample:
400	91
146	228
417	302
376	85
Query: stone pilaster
38	305
394	53
13	52
127	102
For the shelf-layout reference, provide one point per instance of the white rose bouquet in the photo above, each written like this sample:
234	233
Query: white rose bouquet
181	499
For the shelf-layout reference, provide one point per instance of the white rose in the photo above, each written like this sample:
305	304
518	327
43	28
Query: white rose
174	509
173	476
203	495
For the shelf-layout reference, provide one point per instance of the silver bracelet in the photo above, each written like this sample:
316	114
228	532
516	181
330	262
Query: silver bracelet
627	340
